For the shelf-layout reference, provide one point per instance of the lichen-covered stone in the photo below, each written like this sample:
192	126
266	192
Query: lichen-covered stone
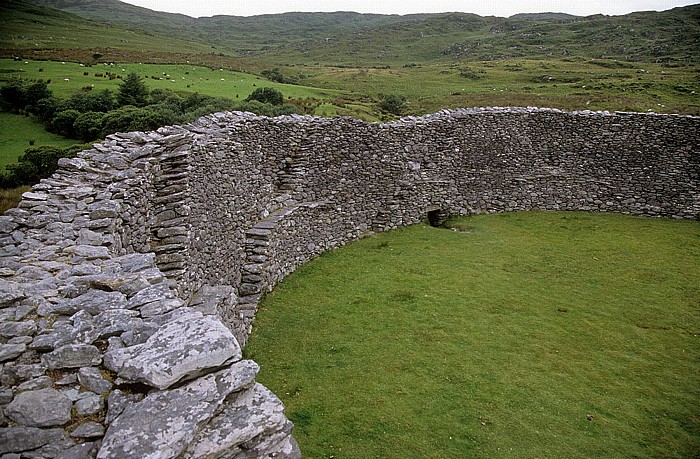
164	423
40	408
12	329
93	302
10	351
89	406
92	379
248	415
117	401
89	429
19	439
185	347
72	356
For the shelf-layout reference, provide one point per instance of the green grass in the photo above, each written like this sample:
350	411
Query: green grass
16	133
69	77
521	335
29	27
570	84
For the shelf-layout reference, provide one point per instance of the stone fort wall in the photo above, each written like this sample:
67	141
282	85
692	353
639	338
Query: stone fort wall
130	279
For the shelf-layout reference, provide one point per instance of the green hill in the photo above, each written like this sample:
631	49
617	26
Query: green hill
27	26
354	39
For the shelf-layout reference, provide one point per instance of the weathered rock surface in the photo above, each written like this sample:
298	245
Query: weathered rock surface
72	356
249	415
164	423
92	379
10	351
185	347
149	247
19	439
40	408
88	430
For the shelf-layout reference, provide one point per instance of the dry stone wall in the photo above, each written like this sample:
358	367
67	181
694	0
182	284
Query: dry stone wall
129	280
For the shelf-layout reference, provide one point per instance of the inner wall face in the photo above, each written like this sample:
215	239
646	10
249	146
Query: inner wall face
266	195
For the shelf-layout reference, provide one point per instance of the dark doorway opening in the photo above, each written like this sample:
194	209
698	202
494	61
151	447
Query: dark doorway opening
437	217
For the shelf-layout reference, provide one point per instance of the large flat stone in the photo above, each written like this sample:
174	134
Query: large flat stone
18	439
94	302
185	347
164	423
251	413
40	408
72	356
10	351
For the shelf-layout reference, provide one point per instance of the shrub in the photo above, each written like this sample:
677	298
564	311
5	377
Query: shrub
131	118
18	94
35	92
12	96
45	109
393	103
62	123
35	164
102	101
88	125
267	96
279	77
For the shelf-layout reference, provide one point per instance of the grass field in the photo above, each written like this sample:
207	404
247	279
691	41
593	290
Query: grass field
570	84
69	77
16	134
535	334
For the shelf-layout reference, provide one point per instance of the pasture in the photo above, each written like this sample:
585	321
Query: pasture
69	77
513	335
18	132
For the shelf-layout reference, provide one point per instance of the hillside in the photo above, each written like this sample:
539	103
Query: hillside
346	38
244	35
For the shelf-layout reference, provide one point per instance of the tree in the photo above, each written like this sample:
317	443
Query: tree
102	101
267	96
45	109
36	91
132	91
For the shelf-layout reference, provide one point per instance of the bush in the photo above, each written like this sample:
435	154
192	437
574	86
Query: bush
45	109
88	125
35	92
12	96
393	103
102	101
266	96
19	95
36	164
131	118
279	77
62	123
263	109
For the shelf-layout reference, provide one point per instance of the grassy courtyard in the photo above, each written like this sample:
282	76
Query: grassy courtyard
515	335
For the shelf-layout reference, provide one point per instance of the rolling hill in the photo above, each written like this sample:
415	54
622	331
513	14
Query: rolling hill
346	38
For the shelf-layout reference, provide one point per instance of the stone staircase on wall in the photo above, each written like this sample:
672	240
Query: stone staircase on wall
99	357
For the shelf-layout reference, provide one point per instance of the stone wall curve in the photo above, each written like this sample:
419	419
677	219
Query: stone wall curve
130	279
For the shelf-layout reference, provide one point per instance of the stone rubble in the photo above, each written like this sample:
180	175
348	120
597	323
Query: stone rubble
130	279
